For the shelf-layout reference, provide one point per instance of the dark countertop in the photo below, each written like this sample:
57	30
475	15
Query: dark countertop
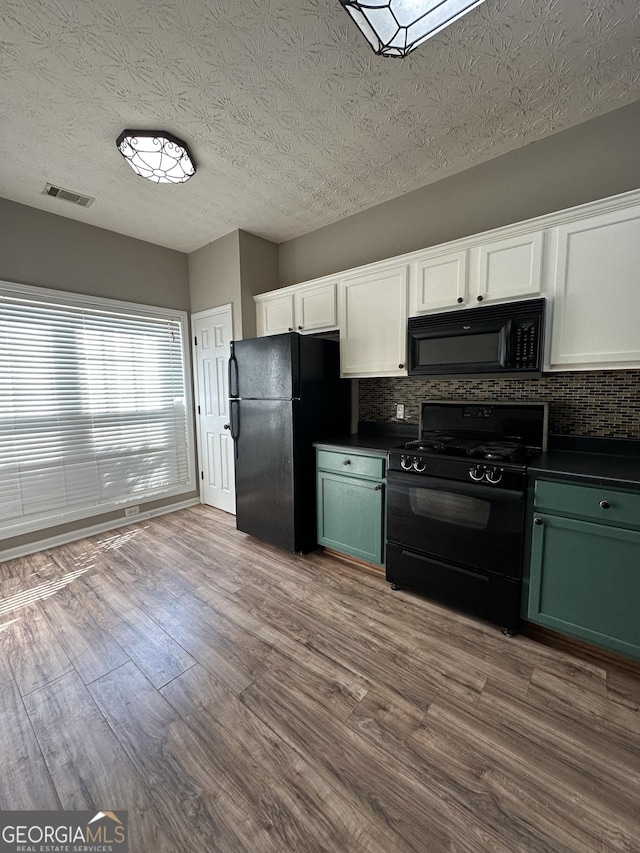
371	439
588	468
371	445
598	462
590	461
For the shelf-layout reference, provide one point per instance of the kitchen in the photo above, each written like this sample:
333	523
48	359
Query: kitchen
39	247
462	544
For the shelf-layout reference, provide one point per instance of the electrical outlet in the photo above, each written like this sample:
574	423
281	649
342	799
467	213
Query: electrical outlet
131	510
400	411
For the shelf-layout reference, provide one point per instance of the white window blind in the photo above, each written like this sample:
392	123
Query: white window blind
94	406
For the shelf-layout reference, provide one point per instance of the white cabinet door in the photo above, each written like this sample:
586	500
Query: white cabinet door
275	315
373	323
495	271
596	312
438	282
304	309
509	268
315	308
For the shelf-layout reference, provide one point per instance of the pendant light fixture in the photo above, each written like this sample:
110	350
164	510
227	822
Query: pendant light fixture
396	27
156	155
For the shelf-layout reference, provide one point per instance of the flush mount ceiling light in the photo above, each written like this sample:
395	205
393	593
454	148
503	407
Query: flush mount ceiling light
396	27
156	155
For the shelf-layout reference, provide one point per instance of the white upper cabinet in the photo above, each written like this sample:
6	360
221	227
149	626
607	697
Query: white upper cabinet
315	308
585	261
300	309
275	315
596	311
493	271
372	313
509	268
438	282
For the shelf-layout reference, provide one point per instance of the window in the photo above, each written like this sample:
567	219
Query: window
94	406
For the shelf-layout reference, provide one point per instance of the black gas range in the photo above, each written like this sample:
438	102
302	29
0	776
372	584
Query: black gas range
455	505
499	462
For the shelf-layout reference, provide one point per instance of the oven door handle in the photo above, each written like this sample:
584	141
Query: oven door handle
398	479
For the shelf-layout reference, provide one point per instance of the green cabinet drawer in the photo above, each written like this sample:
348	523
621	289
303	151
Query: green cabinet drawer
351	516
585	581
351	464
606	506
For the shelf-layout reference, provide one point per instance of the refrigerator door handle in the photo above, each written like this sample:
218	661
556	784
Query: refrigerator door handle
233	373
234	419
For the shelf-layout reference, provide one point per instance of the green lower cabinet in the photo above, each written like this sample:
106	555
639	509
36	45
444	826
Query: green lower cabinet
585	581
351	516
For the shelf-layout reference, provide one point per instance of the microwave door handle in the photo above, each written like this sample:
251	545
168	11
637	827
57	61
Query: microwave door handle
504	350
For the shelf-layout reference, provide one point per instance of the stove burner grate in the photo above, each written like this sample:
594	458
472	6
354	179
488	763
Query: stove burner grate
433	444
498	450
478	447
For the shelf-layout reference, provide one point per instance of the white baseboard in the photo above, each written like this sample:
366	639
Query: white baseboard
82	533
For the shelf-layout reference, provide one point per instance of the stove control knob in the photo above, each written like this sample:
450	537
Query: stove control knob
476	473
419	465
405	463
493	475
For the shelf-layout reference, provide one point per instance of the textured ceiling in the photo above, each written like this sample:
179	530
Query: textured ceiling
293	121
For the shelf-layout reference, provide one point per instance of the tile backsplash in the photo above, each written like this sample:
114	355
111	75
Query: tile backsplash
594	403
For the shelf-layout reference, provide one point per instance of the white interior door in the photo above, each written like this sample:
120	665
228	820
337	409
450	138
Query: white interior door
213	331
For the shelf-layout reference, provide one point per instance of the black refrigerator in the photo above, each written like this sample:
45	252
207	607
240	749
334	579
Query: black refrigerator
286	393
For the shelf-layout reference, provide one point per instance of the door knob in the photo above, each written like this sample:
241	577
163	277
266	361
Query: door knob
227	426
480	298
537	521
459	300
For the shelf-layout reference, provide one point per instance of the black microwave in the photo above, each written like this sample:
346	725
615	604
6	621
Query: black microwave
495	340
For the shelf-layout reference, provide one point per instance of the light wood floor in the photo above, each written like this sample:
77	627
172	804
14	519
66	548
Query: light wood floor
235	698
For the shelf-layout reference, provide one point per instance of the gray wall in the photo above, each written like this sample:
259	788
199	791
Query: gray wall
593	160
42	249
258	273
214	277
232	270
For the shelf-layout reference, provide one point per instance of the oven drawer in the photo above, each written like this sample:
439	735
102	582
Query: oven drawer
479	593
607	506
351	464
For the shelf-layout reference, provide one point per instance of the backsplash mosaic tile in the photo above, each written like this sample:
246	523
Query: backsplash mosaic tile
594	403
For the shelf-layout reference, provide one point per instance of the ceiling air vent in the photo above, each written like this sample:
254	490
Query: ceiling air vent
68	195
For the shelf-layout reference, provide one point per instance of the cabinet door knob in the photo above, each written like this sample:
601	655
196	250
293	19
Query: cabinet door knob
377	488
227	426
300	327
537	521
401	366
459	300
479	297
346	462
604	504
291	328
